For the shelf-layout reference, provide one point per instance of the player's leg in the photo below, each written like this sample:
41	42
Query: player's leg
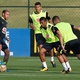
45	48
78	56
76	49
52	58
0	47
40	41
60	57
65	68
6	52
6	56
40	46
67	62
43	59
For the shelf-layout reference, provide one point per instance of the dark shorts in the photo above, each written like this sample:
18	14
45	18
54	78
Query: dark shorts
4	46
40	39
73	45
49	46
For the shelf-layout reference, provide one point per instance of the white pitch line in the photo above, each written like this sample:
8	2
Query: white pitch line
39	75
74	58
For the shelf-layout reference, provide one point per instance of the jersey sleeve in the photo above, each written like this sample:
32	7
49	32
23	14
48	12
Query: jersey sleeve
72	26
0	26
54	29
30	20
47	16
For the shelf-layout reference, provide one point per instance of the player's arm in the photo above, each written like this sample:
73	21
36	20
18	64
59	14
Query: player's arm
75	27
48	17
58	34
31	23
7	39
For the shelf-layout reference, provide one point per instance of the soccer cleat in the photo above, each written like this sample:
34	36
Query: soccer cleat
0	67
44	69
53	64
3	68
62	70
65	72
69	69
2	63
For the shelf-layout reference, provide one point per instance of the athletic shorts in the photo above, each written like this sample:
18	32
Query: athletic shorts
40	39
49	46
73	45
4	46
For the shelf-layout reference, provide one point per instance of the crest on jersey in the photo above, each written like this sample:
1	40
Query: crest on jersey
38	20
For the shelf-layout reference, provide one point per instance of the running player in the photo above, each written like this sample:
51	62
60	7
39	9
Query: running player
49	32
35	25
70	39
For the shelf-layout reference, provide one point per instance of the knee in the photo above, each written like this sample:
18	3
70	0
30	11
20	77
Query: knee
78	56
57	54
42	51
0	47
7	53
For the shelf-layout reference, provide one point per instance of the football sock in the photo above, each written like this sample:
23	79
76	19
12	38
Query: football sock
44	64
68	65
52	59
64	66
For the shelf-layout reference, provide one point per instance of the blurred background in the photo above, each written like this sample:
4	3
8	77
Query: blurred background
67	10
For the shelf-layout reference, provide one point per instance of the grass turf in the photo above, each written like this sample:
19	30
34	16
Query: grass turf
28	68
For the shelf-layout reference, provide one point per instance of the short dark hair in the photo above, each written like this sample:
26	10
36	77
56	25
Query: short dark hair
37	3
4	11
55	17
43	18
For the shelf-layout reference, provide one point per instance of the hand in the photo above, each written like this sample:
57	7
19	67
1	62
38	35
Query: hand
34	28
63	49
8	40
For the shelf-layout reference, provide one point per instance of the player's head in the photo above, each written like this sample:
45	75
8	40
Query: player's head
43	22
55	20
38	7
5	14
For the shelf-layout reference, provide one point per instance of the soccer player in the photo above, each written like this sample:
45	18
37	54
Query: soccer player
3	26
49	33
35	25
70	39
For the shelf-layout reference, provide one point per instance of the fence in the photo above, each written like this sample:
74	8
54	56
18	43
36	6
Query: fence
68	10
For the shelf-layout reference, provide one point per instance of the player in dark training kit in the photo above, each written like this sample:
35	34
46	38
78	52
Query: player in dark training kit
3	26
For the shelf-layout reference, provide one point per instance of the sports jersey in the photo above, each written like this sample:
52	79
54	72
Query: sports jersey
48	33
66	31
35	20
3	25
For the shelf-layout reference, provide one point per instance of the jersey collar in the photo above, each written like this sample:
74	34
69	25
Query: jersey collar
3	18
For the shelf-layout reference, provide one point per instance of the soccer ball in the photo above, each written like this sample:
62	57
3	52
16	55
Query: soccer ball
3	68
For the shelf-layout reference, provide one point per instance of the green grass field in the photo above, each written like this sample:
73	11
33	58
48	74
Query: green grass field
27	68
